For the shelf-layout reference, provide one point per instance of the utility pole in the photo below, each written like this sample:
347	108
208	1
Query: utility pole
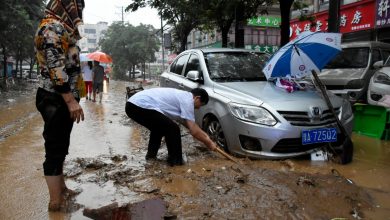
162	44
334	16
123	20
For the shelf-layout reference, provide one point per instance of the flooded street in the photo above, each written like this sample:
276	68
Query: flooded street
106	163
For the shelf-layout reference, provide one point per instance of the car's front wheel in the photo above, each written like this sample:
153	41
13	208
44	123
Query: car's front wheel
214	129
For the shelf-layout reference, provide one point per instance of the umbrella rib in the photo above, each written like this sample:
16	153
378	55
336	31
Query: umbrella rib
296	49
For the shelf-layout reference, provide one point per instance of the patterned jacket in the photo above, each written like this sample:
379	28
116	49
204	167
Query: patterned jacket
58	57
55	46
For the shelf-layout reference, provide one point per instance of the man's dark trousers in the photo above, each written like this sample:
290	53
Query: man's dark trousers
159	126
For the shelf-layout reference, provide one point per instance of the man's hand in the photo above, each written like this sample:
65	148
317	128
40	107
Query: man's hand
199	134
213	146
75	110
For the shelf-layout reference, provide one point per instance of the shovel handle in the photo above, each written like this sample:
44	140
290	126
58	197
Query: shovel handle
219	150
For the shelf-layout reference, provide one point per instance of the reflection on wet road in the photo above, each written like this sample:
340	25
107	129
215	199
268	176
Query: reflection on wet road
107	132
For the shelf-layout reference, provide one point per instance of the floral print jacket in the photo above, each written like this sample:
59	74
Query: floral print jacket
58	57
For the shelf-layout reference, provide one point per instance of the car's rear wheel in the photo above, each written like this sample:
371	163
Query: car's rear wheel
214	129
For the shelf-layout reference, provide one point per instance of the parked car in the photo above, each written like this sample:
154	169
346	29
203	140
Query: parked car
135	74
349	73
32	76
379	85
248	115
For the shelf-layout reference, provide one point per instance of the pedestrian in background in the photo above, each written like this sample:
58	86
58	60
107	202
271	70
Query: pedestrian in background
98	78
87	75
156	109
58	98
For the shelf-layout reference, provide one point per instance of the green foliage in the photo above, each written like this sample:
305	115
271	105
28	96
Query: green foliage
183	16
18	23
186	15
129	46
301	5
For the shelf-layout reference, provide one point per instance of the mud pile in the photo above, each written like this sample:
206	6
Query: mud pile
210	187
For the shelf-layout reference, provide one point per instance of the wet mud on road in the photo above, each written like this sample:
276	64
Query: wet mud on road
106	163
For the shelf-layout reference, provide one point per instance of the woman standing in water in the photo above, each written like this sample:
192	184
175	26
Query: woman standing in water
58	98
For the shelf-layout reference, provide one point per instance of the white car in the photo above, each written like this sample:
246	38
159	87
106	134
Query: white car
379	87
135	74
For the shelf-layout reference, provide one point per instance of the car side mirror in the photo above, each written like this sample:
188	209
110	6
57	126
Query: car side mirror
194	75
378	64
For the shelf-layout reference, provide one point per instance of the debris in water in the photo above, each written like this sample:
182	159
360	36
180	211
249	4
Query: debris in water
147	209
305	181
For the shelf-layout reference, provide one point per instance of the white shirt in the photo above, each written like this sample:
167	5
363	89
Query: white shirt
171	102
87	73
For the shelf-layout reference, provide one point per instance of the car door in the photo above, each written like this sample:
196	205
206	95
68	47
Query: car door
174	75
192	64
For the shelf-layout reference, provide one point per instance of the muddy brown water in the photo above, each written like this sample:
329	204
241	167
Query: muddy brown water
106	163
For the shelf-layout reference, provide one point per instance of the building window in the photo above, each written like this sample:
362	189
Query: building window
92	41
273	36
90	31
269	36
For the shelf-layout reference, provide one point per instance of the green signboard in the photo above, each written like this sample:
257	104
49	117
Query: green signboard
263	48
265	21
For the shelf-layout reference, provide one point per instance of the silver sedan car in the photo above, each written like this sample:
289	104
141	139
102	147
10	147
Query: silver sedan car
248	115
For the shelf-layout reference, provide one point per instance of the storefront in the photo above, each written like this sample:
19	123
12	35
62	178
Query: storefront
357	22
262	33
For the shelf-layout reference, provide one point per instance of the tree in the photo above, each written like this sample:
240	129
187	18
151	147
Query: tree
18	21
184	16
129	46
222	14
285	6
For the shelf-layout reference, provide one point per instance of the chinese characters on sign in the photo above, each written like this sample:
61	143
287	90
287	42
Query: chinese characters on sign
265	21
263	48
353	17
382	13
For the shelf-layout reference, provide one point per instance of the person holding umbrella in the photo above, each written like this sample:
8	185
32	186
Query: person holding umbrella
97	80
58	98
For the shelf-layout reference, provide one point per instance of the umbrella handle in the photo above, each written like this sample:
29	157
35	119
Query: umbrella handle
329	104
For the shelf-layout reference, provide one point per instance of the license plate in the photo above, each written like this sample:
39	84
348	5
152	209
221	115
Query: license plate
321	135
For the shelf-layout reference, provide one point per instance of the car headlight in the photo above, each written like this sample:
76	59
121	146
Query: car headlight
253	114
346	110
382	78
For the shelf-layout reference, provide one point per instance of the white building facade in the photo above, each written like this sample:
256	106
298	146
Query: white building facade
91	35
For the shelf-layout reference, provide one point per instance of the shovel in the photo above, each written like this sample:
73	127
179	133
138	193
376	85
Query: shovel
347	152
219	150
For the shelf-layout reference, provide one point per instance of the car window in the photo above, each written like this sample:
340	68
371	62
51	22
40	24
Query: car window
385	55
173	66
193	64
236	66
180	64
350	58
376	56
387	63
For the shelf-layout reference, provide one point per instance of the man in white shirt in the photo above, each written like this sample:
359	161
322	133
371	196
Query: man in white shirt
156	109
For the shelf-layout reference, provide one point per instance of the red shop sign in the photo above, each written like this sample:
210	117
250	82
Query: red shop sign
353	17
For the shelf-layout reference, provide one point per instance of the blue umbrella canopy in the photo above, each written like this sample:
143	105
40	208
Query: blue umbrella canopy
309	51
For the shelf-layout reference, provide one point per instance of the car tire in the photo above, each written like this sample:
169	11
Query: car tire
214	129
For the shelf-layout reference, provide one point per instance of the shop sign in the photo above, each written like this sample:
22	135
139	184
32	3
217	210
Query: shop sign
263	48
382	13
265	21
357	16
